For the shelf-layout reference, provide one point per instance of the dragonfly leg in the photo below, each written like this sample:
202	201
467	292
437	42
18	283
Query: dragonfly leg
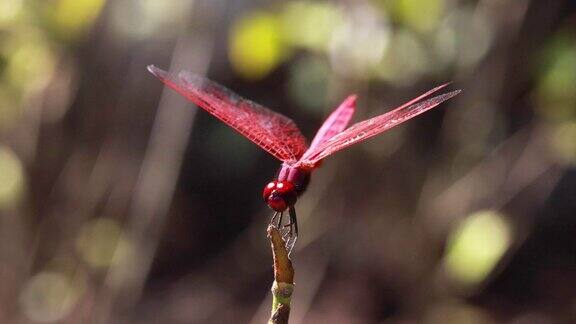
293	220
279	220
293	225
293	234
274	217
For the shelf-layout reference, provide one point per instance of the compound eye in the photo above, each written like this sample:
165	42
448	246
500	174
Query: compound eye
279	194
270	187
284	187
277	203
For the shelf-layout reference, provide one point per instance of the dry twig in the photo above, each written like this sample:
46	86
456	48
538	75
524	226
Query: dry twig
283	285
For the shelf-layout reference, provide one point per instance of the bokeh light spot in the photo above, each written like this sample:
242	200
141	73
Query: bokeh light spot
564	142
421	15
255	45
30	61
476	246
11	178
357	47
9	108
98	241
464	36
556	90
9	11
145	18
405	60
310	24
72	17
49	296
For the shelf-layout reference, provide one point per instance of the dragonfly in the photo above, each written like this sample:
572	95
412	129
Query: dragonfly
279	135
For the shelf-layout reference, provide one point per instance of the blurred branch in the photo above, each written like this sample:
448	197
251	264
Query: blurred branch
283	285
158	176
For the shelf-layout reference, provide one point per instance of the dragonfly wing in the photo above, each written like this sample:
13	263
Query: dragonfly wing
374	126
334	124
273	132
419	98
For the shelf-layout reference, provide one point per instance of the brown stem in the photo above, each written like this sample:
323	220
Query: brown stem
283	285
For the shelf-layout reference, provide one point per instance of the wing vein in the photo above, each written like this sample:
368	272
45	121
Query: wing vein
374	126
273	132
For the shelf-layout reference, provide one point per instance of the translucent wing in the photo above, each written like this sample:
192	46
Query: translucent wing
334	124
273	132
374	126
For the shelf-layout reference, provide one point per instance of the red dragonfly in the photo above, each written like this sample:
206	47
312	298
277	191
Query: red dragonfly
279	135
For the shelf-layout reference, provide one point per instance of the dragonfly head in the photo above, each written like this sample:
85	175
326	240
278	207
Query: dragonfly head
279	195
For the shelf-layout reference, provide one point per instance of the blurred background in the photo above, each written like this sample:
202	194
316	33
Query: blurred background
120	202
